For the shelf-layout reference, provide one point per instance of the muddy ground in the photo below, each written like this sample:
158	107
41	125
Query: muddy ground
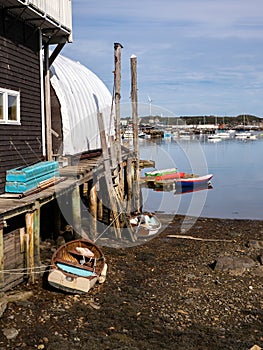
164	294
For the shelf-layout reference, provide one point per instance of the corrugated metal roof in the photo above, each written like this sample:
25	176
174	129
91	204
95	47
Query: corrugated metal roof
77	89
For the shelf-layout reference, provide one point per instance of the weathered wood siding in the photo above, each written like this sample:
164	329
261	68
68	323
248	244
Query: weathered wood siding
20	145
14	259
57	140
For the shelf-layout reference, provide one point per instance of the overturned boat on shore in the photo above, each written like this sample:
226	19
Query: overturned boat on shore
76	266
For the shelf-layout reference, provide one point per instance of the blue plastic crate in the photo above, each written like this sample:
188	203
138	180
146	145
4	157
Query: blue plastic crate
24	174
20	186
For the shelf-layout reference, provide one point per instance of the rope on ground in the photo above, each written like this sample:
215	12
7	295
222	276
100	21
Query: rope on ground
200	239
26	270
107	227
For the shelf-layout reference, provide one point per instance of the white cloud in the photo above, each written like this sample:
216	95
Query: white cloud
193	55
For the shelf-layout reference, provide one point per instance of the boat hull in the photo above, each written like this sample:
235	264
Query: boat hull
190	182
145	225
161	172
170	176
76	266
74	284
194	181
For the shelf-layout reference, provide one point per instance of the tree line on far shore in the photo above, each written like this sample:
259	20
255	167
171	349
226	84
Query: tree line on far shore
242	119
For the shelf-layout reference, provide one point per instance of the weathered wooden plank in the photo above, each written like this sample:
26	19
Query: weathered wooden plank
1	258
108	179
13	259
76	212
93	210
134	99
20	71
30	245
12	280
36	227
117	97
147	163
115	204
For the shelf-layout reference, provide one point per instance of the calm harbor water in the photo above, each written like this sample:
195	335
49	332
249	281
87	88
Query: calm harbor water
237	183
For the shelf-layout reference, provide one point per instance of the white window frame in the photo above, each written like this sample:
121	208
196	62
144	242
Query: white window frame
5	119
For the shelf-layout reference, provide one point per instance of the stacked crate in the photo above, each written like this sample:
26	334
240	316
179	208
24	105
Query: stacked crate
22	179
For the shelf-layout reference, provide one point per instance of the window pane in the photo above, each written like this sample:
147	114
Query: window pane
1	106
12	107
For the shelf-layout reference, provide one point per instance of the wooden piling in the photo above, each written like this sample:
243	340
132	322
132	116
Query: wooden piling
30	246
76	212
99	200
114	153
117	87
93	211
1	259
129	206
116	206
99	209
117	98
108	177
134	100
36	228
27	254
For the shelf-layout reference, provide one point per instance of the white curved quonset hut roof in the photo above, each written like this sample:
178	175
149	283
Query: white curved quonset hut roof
80	93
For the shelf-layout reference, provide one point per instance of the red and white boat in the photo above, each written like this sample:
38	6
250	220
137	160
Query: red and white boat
170	176
188	181
194	181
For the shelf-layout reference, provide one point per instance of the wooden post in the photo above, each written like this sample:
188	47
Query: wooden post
129	184
47	105
114	157
99	209
93	211
108	177
134	100
26	251
36	227
30	246
99	201
76	212
117	96
1	259
85	189
117	86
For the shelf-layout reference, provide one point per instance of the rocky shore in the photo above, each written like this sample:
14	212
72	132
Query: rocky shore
199	289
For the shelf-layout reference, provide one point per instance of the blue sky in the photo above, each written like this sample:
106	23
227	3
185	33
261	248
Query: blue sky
195	57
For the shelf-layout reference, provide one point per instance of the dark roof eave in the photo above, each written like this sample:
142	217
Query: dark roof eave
53	31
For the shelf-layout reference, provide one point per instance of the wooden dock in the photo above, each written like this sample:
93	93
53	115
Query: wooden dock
101	183
21	214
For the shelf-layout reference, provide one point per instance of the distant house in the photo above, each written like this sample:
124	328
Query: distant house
27	27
